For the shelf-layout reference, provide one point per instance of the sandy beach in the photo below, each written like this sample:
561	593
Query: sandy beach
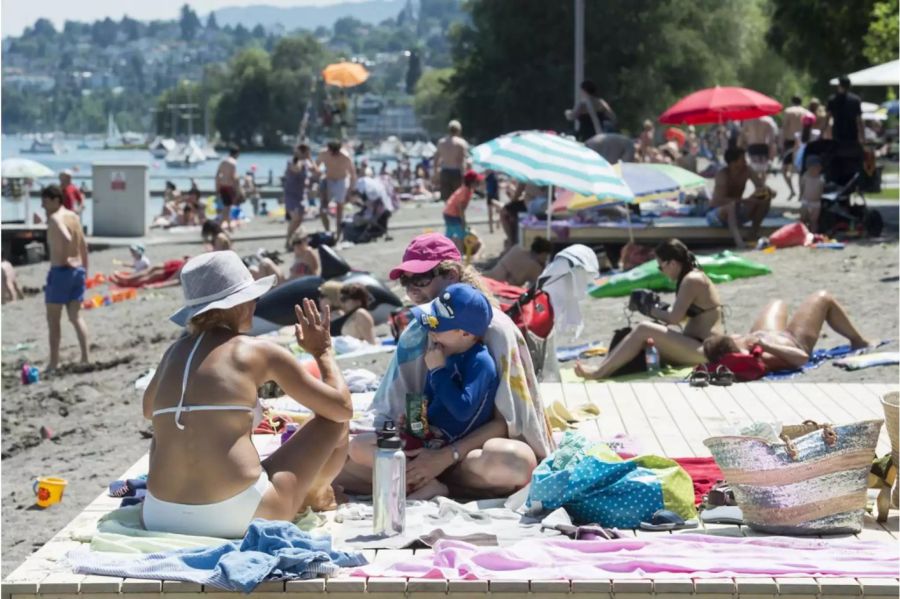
95	413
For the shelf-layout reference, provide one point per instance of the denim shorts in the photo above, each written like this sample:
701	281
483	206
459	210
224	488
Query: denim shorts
65	284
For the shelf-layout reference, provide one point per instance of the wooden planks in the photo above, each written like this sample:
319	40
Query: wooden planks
666	418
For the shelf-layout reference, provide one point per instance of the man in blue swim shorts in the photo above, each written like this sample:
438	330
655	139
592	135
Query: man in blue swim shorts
728	208
68	272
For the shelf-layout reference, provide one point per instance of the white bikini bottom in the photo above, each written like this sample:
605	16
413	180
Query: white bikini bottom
226	519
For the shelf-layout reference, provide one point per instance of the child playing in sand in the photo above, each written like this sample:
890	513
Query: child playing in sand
462	378
306	262
138	255
811	187
455	210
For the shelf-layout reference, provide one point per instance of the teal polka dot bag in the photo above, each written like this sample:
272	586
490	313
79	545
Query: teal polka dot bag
597	486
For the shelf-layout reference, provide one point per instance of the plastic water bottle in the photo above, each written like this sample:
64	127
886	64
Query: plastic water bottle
651	355
389	483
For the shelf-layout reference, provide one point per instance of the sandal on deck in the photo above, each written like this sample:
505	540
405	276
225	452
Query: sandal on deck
723	514
723	377
699	377
668	520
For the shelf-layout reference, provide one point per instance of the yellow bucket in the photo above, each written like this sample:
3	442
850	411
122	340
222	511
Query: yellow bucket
49	490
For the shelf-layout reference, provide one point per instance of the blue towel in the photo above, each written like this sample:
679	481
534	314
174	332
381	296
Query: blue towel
817	358
271	550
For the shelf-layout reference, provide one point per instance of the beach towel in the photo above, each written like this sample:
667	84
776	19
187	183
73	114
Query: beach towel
818	357
704	473
868	360
517	397
271	550
566	280
662	555
595	485
121	531
483	522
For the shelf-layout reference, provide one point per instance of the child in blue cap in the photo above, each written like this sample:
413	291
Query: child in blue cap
462	378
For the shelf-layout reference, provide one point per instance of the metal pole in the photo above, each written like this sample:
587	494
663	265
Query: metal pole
550	196
579	47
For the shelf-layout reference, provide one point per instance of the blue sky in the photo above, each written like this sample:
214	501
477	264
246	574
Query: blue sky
15	15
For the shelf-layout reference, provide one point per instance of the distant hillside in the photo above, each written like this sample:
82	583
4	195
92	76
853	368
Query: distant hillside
309	17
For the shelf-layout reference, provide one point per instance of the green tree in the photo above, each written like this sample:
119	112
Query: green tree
103	33
880	43
189	23
245	108
43	28
130	27
433	100
513	59
821	37
211	22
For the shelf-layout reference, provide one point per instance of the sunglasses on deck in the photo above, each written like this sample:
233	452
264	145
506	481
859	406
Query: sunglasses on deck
420	281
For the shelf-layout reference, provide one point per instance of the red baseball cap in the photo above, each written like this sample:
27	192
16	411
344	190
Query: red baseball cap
424	253
472	176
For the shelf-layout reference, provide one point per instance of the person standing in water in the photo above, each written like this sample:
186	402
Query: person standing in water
68	272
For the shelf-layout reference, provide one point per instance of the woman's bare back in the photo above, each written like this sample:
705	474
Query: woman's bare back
213	458
707	299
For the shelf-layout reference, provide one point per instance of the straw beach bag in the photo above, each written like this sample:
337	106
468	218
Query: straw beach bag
891	405
813	481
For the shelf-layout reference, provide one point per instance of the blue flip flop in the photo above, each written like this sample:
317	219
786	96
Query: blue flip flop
668	520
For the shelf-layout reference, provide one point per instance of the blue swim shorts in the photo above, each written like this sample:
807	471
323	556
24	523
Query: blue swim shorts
713	220
65	284
454	227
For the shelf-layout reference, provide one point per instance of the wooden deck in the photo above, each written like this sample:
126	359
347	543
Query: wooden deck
668	418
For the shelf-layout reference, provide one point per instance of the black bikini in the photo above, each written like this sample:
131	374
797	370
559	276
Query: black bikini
338	323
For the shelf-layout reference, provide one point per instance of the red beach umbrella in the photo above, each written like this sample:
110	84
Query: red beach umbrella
719	104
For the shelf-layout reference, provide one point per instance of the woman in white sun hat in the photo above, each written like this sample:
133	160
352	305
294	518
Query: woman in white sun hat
205	475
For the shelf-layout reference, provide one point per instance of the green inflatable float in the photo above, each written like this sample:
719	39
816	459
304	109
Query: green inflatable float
720	268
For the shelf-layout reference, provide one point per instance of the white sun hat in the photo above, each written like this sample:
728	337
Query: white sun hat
217	281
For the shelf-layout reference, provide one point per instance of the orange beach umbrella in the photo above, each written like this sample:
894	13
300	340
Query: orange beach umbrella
345	74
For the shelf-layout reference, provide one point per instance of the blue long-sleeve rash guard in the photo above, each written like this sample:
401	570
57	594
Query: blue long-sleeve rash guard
461	394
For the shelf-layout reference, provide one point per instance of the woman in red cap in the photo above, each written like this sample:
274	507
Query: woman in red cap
491	461
455	210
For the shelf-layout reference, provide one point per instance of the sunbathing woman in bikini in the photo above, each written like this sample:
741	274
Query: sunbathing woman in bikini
788	344
206	477
696	299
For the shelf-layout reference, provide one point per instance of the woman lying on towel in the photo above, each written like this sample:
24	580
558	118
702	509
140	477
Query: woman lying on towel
788	344
205	475
697	303
492	460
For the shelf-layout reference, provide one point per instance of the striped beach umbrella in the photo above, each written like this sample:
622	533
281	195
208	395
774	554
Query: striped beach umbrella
647	182
548	159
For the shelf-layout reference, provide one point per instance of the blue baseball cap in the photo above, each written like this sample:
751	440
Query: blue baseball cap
459	306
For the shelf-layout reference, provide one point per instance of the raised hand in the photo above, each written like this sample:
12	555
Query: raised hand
312	328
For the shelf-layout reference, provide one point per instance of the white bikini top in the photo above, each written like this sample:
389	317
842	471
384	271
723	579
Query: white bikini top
177	410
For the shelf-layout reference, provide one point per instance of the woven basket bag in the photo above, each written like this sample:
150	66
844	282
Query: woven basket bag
813	481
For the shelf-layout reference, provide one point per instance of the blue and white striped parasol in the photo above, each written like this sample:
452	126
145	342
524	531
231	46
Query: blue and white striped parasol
547	159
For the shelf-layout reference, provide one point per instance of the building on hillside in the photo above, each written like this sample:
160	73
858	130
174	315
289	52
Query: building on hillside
376	119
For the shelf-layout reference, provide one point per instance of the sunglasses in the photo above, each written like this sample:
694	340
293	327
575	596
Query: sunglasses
421	281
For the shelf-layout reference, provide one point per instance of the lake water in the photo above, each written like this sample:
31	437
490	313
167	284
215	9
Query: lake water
80	160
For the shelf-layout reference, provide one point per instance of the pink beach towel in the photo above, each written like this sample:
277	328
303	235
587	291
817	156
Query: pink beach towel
695	555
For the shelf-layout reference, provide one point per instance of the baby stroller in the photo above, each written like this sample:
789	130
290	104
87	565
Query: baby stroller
366	227
844	208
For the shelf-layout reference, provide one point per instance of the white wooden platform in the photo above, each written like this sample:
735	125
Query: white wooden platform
668	418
